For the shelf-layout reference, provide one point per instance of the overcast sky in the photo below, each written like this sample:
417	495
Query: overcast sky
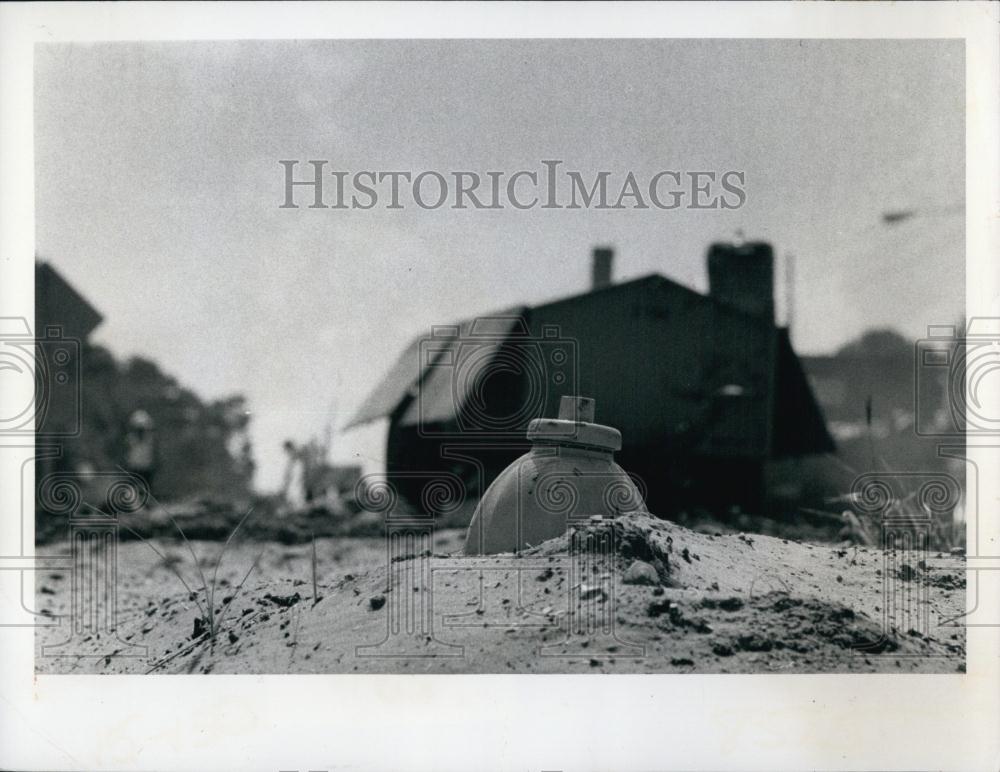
158	191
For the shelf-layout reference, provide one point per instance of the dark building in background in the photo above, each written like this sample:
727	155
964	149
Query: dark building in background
59	305
89	403
704	388
743	277
64	320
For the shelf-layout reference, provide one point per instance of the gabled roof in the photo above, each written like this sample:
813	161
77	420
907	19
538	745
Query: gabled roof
427	364
445	387
421	362
399	385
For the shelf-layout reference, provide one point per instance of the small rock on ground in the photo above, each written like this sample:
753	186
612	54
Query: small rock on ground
641	572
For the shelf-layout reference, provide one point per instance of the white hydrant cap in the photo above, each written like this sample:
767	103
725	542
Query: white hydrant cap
575	426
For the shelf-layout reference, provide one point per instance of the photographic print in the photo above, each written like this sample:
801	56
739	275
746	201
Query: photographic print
603	356
359	366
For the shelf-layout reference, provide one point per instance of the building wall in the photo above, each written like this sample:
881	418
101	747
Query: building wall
686	379
657	358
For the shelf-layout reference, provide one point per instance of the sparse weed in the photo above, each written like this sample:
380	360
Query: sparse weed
211	617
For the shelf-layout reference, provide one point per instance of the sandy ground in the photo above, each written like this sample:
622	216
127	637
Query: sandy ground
737	603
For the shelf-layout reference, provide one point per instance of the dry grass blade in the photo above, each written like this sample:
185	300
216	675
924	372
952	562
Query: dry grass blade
187	542
210	592
316	597
206	610
169	565
239	587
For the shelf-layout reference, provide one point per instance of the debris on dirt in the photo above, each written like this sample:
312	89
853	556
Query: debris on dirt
722	650
682	662
376	602
676	616
697	624
641	572
811	623
285	601
199	628
635	542
545	575
726	604
658	607
754	642
946	581
907	572
233	637
411	556
588	592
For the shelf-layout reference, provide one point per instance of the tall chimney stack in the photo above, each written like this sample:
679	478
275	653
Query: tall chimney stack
743	276
601	265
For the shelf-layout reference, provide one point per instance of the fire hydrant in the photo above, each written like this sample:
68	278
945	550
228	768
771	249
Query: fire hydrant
569	473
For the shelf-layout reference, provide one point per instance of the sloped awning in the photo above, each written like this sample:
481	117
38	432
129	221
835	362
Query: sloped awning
450	379
399	382
427	367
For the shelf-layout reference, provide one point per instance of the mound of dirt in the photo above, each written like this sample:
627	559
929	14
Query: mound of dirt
634	594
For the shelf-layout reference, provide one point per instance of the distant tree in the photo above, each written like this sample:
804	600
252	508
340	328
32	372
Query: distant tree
202	448
877	343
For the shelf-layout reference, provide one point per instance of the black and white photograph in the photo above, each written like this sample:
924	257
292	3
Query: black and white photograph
474	354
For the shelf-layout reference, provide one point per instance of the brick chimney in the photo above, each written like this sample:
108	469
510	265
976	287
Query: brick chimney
743	276
603	258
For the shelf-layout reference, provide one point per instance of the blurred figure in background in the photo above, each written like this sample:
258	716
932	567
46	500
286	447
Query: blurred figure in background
293	487
140	446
